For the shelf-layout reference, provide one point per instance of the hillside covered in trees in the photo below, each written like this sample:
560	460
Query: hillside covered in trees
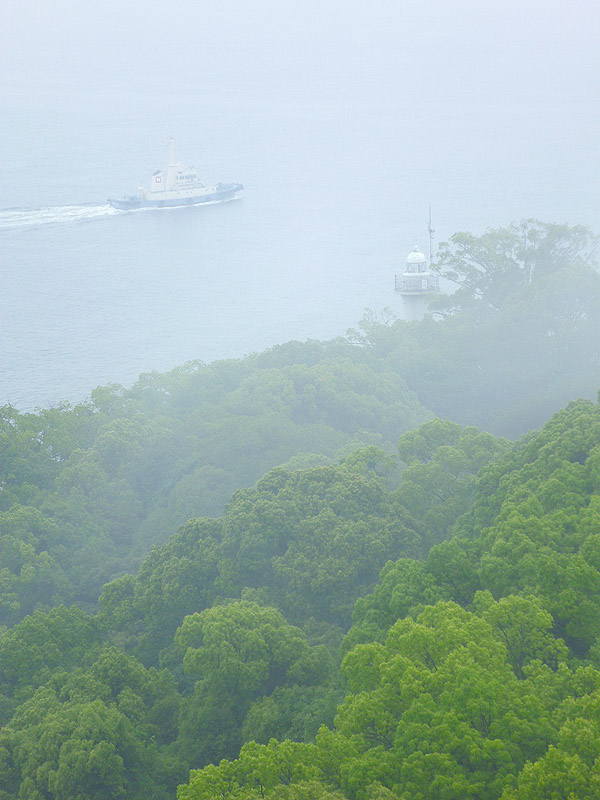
334	569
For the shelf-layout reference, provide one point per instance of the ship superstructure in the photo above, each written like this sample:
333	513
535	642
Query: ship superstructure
178	186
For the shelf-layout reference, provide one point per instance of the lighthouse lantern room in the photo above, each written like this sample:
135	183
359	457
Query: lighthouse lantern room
416	284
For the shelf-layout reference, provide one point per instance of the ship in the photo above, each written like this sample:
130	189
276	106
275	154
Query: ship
179	186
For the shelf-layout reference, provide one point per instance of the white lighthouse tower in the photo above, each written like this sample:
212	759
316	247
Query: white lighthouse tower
416	285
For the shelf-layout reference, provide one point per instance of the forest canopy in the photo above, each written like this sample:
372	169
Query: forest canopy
345	569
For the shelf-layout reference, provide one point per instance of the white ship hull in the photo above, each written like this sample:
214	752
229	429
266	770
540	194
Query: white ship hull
218	193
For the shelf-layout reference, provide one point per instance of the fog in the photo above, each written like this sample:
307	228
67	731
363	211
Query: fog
343	120
489	46
511	83
254	514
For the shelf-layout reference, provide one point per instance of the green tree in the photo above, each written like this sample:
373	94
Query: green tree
492	266
84	750
571	767
260	771
524	627
239	653
437	711
43	642
443	461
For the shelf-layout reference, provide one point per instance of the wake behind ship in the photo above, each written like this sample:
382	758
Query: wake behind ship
178	187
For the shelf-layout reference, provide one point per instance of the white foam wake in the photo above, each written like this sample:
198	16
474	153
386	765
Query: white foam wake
57	215
52	215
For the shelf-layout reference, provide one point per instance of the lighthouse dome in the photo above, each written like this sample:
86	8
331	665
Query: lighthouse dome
415	256
416	261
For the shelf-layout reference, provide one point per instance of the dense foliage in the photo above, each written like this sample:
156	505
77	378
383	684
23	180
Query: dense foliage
361	600
85	491
476	672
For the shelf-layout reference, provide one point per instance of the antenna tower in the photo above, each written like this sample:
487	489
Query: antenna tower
431	232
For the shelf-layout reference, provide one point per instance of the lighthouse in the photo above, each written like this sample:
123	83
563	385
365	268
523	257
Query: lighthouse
416	285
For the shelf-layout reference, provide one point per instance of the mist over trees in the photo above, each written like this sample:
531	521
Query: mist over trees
364	568
520	336
500	264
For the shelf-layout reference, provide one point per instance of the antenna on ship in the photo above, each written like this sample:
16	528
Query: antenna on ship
431	232
171	143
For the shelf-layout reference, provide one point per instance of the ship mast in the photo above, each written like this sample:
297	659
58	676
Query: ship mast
172	167
171	143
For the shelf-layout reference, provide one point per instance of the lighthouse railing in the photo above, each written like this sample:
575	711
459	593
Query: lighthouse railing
422	283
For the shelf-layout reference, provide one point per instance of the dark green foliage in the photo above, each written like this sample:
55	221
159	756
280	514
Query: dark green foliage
462	581
240	653
32	650
443	461
441	709
122	472
103	482
98	730
493	700
308	542
34	563
478	728
531	529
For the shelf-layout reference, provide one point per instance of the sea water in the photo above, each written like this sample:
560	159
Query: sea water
340	166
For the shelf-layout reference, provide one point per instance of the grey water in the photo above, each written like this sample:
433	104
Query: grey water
343	122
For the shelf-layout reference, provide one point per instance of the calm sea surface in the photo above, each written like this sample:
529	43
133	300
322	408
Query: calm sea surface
339	168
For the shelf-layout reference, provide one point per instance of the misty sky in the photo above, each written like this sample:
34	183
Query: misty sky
343	119
502	47
482	62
